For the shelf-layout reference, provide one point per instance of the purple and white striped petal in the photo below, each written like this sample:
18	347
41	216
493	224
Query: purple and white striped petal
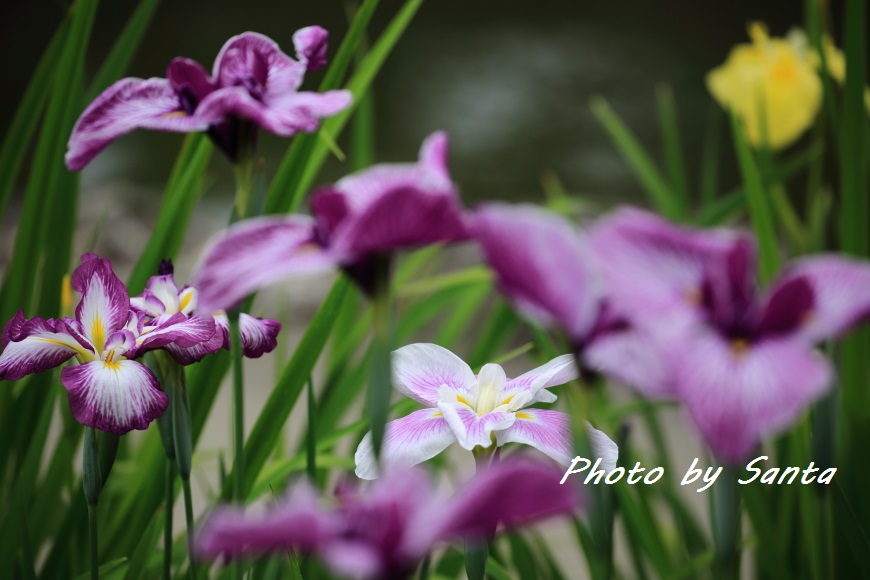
407	441
542	265
634	358
819	297
193	354
190	81
256	62
311	44
259	335
177	329
255	253
560	370
127	105
114	396
34	345
738	393
420	370
105	304
472	429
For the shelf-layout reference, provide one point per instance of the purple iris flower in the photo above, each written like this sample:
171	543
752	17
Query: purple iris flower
253	84
742	361
475	410
162	299
108	390
547	269
374	212
386	531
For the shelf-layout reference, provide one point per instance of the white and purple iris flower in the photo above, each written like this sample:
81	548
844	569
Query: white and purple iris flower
386	531
162	299
374	212
252	82
108	390
475	410
743	362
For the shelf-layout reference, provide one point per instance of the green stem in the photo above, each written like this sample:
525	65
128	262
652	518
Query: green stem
725	508
380	382
188	516
167	528
238	408
95	558
244	169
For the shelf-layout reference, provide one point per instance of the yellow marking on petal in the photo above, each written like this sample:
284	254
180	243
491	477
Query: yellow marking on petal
437	414
185	300
98	334
739	347
112	365
174	114
524	417
79	350
66	296
463	400
508	400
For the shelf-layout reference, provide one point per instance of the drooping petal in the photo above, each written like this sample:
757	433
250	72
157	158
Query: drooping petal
419	371
739	393
253	254
34	345
296	523
259	335
818	298
114	396
541	264
192	354
472	429
550	433
311	44
408	441
190	82
512	492
634	358
560	370
105	304
177	329
127	105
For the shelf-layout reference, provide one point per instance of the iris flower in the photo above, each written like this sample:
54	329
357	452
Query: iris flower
252	82
371	213
162	299
742	361
546	268
108	390
386	531
773	77
475	410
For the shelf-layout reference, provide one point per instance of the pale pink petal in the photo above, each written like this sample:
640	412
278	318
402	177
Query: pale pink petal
127	105
408	441
472	429
34	345
419	371
634	358
255	253
560	370
739	393
114	396
542	265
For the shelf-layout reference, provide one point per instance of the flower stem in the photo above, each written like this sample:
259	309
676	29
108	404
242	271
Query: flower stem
380	381
238	408
167	526
95	557
244	169
188	516
92	483
725	512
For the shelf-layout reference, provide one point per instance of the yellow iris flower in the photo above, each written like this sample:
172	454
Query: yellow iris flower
775	78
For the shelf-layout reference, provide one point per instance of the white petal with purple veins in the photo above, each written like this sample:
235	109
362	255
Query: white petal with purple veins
472	429
36	345
419	371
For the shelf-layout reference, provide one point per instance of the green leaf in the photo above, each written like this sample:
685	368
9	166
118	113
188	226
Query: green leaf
671	144
137	569
640	163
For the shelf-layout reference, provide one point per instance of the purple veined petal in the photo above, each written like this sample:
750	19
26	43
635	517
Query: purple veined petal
121	340
34	345
560	370
177	329
189	80
256	63
550	433
295	523
255	253
195	353
259	335
738	393
163	288
472	429
408	441
419	371
634	358
513	492
114	396
655	269
127	105
311	44
105	303
148	304
818	297
542	265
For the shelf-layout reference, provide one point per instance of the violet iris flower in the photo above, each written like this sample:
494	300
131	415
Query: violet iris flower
371	213
475	410
386	531
162	299
546	268
742	362
252	82
107	389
